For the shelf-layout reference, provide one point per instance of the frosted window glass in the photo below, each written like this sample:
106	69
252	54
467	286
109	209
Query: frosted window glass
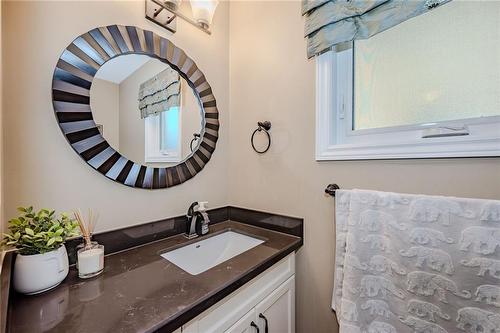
443	65
170	130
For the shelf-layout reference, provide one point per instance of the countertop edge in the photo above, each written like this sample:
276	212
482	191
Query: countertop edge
5	280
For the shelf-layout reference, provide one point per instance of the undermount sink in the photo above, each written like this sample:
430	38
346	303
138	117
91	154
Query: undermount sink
201	256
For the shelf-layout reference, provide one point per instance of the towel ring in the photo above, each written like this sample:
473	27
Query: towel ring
196	137
262	126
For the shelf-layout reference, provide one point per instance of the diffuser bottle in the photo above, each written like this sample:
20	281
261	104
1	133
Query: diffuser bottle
90	259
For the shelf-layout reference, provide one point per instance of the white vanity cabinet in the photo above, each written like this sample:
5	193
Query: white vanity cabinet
246	324
276	312
269	296
278	309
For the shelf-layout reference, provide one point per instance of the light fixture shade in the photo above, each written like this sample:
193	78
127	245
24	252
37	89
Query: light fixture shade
203	11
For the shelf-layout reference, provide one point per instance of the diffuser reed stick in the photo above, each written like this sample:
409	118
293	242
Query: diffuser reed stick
86	226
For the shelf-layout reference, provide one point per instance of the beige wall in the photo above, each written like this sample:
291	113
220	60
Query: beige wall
191	117
131	125
272	80
2	206
42	168
105	105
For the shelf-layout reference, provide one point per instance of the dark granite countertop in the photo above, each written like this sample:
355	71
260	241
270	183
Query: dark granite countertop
140	291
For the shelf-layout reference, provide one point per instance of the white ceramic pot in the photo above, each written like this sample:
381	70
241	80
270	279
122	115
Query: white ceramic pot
37	273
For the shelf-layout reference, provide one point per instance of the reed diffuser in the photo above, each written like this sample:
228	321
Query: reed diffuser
90	254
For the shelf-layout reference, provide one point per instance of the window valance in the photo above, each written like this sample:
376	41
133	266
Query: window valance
160	93
332	22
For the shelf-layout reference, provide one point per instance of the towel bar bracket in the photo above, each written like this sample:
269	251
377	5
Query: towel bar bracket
331	188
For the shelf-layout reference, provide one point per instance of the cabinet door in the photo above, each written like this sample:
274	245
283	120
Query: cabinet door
244	325
278	309
220	317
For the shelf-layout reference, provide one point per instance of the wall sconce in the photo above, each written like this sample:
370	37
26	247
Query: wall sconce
165	12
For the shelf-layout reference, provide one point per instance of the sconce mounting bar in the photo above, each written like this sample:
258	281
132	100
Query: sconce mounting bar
154	9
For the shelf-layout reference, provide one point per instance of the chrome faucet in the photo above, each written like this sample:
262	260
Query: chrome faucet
195	217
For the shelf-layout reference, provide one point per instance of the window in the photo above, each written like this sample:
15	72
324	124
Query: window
163	137
429	87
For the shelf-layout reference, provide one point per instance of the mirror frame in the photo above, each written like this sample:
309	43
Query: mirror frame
71	84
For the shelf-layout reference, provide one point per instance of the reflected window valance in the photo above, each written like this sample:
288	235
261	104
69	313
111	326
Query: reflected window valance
160	93
332	22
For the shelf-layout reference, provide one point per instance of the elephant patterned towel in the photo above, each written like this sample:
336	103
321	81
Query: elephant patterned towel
414	263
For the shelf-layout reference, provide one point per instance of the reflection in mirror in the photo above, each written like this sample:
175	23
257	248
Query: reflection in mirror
146	110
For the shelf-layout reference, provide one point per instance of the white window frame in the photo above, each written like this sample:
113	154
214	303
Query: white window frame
152	139
335	139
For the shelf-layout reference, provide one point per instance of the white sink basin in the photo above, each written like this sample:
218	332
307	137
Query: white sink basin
201	256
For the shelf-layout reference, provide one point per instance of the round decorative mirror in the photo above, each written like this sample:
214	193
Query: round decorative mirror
135	107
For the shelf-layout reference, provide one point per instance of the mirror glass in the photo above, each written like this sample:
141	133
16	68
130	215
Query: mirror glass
146	110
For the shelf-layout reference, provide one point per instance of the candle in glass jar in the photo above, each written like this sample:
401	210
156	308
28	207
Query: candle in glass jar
90	260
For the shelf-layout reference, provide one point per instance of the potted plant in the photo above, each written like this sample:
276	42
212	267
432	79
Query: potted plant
42	260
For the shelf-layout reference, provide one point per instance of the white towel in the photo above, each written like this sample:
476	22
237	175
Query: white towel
415	263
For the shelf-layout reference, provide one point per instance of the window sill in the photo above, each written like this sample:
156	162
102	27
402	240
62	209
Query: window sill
162	159
424	148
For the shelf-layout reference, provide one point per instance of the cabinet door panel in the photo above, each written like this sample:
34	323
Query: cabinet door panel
279	309
228	311
244	325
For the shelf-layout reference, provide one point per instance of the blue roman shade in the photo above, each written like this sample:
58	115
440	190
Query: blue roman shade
332	22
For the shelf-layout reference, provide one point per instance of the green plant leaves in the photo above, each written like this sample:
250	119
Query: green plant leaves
39	232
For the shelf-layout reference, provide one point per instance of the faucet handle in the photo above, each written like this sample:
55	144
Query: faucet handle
190	211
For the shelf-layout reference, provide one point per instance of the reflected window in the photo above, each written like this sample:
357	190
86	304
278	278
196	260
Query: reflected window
163	136
170	131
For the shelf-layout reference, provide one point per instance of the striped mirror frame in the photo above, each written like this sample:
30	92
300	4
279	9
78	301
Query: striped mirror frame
71	84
